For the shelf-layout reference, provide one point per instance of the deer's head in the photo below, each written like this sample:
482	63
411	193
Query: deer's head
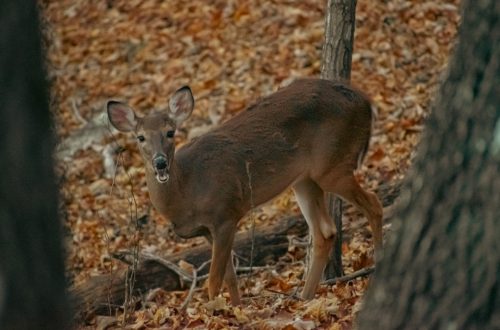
155	131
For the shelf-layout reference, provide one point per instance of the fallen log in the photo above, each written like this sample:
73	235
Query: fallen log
104	293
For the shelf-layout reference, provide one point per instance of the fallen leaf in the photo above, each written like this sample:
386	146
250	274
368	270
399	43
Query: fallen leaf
217	304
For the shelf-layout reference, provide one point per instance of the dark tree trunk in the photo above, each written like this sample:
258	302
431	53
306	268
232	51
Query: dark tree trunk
336	65
32	283
441	268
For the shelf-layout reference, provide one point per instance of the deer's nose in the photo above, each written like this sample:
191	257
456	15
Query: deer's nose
160	162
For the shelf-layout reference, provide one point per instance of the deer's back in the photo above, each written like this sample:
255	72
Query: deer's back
305	129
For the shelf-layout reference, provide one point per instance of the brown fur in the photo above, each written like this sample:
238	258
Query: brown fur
309	135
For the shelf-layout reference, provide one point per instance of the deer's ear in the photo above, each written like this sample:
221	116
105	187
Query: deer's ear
121	116
181	105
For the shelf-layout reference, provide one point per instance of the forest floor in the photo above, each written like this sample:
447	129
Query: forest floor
230	53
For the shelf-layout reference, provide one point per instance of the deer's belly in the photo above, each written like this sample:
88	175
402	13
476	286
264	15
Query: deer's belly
187	230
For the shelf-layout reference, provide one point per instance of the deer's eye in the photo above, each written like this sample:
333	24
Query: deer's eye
170	134
141	138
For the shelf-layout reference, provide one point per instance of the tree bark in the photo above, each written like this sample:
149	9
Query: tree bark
441	268
32	282
339	39
336	65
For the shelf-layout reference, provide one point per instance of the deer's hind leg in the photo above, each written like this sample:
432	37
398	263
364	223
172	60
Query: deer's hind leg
311	200
368	203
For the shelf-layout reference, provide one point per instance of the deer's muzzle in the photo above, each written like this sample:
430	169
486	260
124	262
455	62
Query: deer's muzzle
160	165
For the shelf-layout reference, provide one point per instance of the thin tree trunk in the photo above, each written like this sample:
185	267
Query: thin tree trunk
336	65
32	282
339	39
441	267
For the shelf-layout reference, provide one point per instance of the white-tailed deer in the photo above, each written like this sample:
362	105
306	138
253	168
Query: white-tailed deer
310	135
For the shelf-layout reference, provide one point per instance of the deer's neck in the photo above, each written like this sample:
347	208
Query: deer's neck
164	196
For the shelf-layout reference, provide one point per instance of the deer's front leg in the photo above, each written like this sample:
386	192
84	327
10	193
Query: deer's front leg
230	277
222	242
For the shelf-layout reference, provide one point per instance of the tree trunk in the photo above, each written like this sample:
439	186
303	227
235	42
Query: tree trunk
32	282
339	39
441	268
336	65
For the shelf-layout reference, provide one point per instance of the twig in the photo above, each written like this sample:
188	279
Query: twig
289	295
77	113
203	265
131	271
348	277
294	240
104	226
191	290
132	268
253	268
239	269
203	277
252	230
170	265
194	282
135	248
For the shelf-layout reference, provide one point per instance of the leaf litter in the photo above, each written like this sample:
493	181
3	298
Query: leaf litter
230	53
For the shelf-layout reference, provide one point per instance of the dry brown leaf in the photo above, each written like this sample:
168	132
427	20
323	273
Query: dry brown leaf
217	304
240	315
